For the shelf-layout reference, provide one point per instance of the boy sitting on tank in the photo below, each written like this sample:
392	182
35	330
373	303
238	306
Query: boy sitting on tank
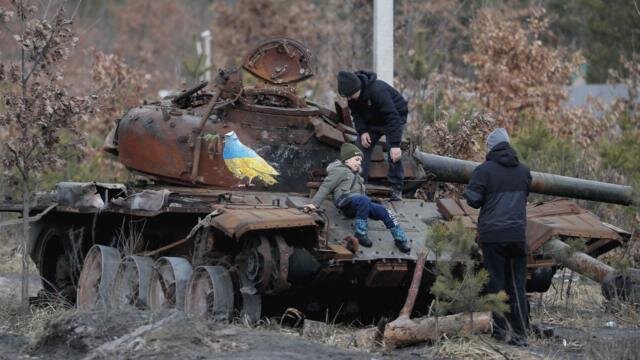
346	185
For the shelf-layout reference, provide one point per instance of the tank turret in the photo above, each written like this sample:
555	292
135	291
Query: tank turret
180	139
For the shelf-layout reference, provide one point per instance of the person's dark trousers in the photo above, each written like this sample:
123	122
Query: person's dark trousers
395	176
361	207
507	266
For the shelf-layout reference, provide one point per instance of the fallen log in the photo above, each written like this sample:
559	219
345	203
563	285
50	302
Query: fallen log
404	331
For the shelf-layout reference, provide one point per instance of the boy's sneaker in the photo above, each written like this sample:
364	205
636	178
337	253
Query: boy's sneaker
363	239
403	246
400	238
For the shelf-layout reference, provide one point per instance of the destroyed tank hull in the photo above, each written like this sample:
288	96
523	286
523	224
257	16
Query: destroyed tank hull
201	239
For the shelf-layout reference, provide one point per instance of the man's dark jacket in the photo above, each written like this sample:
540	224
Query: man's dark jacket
500	187
379	108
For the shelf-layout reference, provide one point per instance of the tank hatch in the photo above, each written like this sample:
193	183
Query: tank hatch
280	61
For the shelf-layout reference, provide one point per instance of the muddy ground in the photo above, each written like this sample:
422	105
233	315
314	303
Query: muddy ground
580	331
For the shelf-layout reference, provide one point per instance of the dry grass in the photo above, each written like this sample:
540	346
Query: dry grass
584	310
129	237
179	337
584	307
479	347
339	335
291	322
11	251
586	323
343	336
13	321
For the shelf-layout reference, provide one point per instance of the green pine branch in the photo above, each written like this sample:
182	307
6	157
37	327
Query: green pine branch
459	284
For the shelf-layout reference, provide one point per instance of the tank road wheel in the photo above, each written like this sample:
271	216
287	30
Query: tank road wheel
210	293
257	265
284	253
255	274
131	285
250	301
168	284
96	277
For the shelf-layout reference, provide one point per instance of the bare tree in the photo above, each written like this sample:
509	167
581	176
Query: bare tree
38	118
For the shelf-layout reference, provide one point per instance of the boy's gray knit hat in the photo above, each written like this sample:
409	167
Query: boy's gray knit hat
496	137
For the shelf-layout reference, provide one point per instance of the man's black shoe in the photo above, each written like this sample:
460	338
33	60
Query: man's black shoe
498	337
403	246
543	332
518	342
363	239
498	334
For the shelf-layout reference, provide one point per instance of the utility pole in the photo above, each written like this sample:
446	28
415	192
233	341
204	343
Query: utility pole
205	37
383	40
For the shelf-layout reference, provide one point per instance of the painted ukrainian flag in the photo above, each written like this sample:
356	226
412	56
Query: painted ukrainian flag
243	162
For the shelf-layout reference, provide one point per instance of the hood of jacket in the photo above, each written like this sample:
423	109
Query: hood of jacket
338	166
504	155
366	77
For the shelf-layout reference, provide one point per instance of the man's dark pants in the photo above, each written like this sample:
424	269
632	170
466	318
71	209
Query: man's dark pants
396	171
506	263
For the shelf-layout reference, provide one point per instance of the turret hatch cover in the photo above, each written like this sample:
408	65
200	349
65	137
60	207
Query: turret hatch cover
280	61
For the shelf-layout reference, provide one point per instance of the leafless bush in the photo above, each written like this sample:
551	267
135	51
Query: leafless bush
119	88
129	239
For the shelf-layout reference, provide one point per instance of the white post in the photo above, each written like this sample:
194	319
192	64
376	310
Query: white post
383	40
206	41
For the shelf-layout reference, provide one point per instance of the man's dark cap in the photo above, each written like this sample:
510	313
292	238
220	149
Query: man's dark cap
348	83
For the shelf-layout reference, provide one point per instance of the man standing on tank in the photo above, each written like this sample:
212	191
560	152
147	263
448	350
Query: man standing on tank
377	109
500	187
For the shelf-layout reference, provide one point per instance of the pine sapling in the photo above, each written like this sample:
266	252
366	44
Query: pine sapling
459	283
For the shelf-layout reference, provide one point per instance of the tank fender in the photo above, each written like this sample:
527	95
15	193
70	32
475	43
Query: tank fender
235	222
87	194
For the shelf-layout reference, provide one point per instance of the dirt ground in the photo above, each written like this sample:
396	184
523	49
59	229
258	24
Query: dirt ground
49	333
583	325
581	329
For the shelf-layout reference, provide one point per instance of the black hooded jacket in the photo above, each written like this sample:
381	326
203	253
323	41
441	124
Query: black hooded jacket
379	108
499	187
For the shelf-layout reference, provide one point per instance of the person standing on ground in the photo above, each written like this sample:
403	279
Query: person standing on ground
377	109
499	187
347	186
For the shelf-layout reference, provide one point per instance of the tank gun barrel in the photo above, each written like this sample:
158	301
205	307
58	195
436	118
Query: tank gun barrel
446	169
621	284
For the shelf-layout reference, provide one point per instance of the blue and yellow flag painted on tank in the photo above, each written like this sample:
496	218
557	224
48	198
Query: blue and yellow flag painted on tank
243	162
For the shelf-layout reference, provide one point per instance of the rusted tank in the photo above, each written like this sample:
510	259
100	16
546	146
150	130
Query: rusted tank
197	237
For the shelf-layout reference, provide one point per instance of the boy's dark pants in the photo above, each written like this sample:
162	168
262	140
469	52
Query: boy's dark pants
396	171
507	266
361	207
